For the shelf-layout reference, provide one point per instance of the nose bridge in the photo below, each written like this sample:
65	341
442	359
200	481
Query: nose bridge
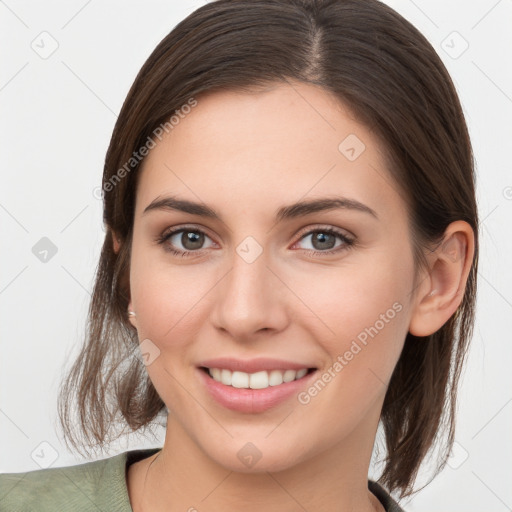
249	299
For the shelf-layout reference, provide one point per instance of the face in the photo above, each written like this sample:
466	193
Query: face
323	288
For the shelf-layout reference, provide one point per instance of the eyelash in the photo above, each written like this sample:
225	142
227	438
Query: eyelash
347	242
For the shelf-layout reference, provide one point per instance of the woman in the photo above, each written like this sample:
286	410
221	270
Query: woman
290	261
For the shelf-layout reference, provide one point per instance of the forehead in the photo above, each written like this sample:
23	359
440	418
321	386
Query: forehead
266	147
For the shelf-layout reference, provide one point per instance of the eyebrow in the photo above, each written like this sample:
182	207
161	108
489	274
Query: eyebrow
299	209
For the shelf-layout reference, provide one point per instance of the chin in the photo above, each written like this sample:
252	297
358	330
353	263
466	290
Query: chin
255	457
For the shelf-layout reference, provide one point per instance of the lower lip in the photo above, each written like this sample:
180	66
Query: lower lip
253	400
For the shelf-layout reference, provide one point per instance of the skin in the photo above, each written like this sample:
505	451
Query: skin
246	155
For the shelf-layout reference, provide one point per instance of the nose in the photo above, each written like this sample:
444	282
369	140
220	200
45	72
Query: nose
251	299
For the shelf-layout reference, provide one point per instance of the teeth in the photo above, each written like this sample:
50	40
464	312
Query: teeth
258	380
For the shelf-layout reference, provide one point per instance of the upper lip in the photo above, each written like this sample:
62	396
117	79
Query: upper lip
253	365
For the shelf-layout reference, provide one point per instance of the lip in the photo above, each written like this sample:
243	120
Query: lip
253	365
253	401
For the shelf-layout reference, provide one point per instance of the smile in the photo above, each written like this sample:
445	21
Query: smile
257	380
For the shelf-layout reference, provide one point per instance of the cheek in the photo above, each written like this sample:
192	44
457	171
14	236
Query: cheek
348	299
361	318
169	299
168	302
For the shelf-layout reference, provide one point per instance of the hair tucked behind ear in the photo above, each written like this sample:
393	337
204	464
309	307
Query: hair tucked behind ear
388	74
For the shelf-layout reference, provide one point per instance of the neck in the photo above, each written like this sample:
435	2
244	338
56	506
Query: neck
183	477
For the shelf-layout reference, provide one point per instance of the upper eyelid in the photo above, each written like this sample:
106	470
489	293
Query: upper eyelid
174	230
327	227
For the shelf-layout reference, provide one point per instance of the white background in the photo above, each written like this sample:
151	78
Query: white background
57	116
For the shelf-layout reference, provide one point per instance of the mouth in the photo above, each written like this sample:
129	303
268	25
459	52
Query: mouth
259	380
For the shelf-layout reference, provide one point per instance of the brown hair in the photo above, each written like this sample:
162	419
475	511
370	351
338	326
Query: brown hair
386	71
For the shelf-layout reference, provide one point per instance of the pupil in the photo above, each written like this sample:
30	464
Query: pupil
196	239
321	238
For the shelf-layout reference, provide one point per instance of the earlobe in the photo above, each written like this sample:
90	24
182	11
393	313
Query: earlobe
443	289
131	315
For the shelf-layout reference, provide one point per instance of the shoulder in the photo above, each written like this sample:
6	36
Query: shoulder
390	505
76	487
96	485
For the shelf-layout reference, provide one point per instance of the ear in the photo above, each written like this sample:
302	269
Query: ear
116	239
132	318
441	291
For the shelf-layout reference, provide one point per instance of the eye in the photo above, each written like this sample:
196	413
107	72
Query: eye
191	239
323	240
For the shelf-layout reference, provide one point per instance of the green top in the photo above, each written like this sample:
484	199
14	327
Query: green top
98	486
